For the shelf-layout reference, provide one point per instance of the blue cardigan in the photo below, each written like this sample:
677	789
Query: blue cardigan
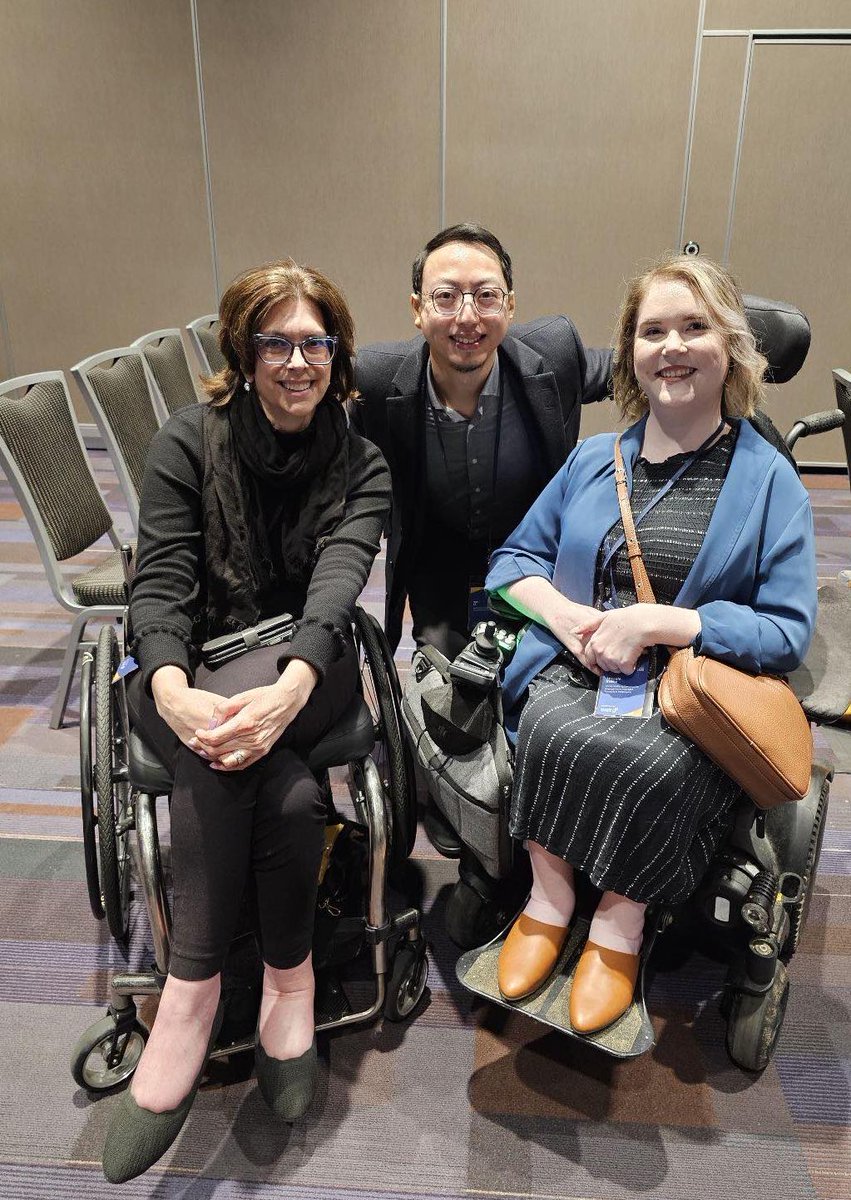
753	581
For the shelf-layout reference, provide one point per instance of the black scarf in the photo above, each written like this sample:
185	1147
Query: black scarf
245	461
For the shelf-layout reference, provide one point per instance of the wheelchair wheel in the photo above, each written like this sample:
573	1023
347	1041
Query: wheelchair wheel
754	1023
112	786
383	696
407	981
101	1061
87	789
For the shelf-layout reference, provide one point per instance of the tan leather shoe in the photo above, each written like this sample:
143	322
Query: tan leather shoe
528	956
603	987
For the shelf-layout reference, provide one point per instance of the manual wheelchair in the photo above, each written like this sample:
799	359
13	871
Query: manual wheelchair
753	900
121	780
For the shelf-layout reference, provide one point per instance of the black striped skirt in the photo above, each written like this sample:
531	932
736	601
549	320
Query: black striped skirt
631	803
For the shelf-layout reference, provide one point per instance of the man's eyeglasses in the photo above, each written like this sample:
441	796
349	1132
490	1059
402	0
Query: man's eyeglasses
448	301
277	351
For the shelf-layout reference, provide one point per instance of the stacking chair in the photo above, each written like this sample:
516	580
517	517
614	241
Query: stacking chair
117	387
42	454
204	336
168	369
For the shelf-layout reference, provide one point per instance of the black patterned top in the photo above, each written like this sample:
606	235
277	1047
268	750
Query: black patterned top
672	533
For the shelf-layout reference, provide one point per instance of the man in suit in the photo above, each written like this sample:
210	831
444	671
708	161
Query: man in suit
474	417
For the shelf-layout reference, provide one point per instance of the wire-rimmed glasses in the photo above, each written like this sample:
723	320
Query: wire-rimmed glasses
448	300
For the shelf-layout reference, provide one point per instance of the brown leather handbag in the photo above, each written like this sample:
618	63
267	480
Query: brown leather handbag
751	726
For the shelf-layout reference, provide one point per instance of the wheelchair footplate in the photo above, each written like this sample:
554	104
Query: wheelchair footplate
631	1035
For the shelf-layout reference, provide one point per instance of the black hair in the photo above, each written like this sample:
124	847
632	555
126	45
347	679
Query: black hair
467	231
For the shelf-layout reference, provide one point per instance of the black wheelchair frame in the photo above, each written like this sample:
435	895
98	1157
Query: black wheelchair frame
120	783
754	899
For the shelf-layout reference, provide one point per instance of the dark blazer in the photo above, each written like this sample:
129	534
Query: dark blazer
552	373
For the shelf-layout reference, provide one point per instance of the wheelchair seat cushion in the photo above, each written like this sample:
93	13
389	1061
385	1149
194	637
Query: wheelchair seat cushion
352	737
147	772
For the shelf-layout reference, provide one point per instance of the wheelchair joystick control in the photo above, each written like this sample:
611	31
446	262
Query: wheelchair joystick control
479	662
485	641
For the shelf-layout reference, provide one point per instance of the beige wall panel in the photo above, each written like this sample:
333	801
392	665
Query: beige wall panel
566	134
323	125
777	14
105	234
719	97
791	233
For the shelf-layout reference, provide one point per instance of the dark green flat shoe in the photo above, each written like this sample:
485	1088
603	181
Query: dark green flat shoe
137	1137
287	1085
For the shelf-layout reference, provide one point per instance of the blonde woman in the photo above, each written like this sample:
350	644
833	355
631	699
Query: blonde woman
726	533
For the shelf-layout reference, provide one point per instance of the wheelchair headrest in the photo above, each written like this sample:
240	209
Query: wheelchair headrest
782	334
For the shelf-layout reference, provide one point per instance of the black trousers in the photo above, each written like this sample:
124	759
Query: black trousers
439	589
267	821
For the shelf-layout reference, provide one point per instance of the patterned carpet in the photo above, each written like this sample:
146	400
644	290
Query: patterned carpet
466	1100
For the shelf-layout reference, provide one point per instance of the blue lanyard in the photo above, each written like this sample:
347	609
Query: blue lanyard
654	500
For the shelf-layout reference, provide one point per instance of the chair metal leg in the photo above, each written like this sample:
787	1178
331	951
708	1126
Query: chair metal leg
67	674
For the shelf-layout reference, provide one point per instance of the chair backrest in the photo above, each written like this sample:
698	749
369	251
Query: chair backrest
166	358
842	387
43	456
116	386
204	336
782	334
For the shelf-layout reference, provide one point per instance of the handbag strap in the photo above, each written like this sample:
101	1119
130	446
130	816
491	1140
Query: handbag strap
643	588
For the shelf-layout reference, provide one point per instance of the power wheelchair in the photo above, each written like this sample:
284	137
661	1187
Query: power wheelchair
121	780
753	901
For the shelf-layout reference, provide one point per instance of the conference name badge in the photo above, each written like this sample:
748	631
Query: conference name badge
626	695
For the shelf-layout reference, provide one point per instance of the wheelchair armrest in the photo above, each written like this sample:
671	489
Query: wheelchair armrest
823	681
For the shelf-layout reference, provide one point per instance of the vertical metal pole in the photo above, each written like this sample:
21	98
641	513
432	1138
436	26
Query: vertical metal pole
692	111
441	184
205	151
743	108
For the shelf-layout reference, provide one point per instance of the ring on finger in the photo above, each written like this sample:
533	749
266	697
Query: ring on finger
239	757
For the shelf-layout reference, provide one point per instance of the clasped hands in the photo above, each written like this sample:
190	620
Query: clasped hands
234	732
612	640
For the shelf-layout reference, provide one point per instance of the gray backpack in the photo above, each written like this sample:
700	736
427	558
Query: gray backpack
454	727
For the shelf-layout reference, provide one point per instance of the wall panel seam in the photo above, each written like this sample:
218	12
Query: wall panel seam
692	111
829	34
737	157
442	84
205	151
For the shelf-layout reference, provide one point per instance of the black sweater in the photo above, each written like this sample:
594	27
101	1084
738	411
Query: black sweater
169	587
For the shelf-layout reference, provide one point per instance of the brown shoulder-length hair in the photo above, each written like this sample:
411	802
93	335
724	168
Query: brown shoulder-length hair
718	294
247	302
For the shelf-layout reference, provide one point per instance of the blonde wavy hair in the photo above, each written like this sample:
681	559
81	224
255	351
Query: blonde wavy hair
246	304
717	292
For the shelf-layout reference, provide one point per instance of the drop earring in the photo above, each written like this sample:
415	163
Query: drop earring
246	387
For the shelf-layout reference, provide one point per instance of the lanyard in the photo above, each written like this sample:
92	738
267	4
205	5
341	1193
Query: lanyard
654	500
435	416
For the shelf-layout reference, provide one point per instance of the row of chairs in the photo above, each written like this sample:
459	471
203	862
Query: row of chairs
130	392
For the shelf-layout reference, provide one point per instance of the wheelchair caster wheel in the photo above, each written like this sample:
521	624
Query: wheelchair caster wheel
470	919
754	1023
101	1061
407	981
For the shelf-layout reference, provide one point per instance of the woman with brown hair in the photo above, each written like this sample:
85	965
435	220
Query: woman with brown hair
725	530
260	503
